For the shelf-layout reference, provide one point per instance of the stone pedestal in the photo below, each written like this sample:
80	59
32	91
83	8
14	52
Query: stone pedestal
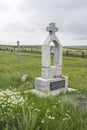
51	81
51	86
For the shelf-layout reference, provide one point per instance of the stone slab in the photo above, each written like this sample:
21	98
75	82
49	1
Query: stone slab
53	85
57	85
71	90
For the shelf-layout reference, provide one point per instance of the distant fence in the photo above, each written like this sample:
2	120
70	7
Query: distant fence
30	49
75	53
37	49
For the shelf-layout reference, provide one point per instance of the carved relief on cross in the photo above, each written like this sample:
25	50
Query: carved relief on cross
52	29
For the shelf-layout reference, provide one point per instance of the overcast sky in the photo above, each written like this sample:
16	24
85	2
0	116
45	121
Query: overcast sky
26	21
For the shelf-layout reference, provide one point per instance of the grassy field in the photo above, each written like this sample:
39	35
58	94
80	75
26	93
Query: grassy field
74	68
62	112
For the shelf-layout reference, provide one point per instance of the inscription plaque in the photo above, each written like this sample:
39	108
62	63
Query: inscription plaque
57	85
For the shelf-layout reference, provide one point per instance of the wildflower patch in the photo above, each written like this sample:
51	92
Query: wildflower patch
10	102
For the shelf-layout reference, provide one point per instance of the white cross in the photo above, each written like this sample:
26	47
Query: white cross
52	29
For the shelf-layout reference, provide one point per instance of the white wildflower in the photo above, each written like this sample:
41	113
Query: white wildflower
59	101
51	117
64	119
32	103
36	109
48	110
54	106
42	121
10	100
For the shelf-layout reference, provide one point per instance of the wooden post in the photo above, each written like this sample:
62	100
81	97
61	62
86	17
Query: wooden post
31	49
67	53
19	59
82	54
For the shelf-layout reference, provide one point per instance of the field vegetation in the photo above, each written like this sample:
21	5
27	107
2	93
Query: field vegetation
22	110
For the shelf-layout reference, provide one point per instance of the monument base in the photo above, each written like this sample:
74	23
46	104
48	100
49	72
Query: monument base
51	86
55	92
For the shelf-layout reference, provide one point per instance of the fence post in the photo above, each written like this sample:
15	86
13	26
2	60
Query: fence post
67	53
31	49
82	54
19	59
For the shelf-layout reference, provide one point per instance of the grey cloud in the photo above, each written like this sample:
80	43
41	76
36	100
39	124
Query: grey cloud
80	38
13	27
69	15
4	7
16	28
60	4
78	29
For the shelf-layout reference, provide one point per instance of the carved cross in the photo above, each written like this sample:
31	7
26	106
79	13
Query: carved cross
52	29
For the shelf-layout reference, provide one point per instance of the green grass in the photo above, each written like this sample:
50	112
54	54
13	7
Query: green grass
61	112
74	68
9	68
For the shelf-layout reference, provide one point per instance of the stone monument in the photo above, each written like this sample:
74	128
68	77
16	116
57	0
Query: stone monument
52	81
